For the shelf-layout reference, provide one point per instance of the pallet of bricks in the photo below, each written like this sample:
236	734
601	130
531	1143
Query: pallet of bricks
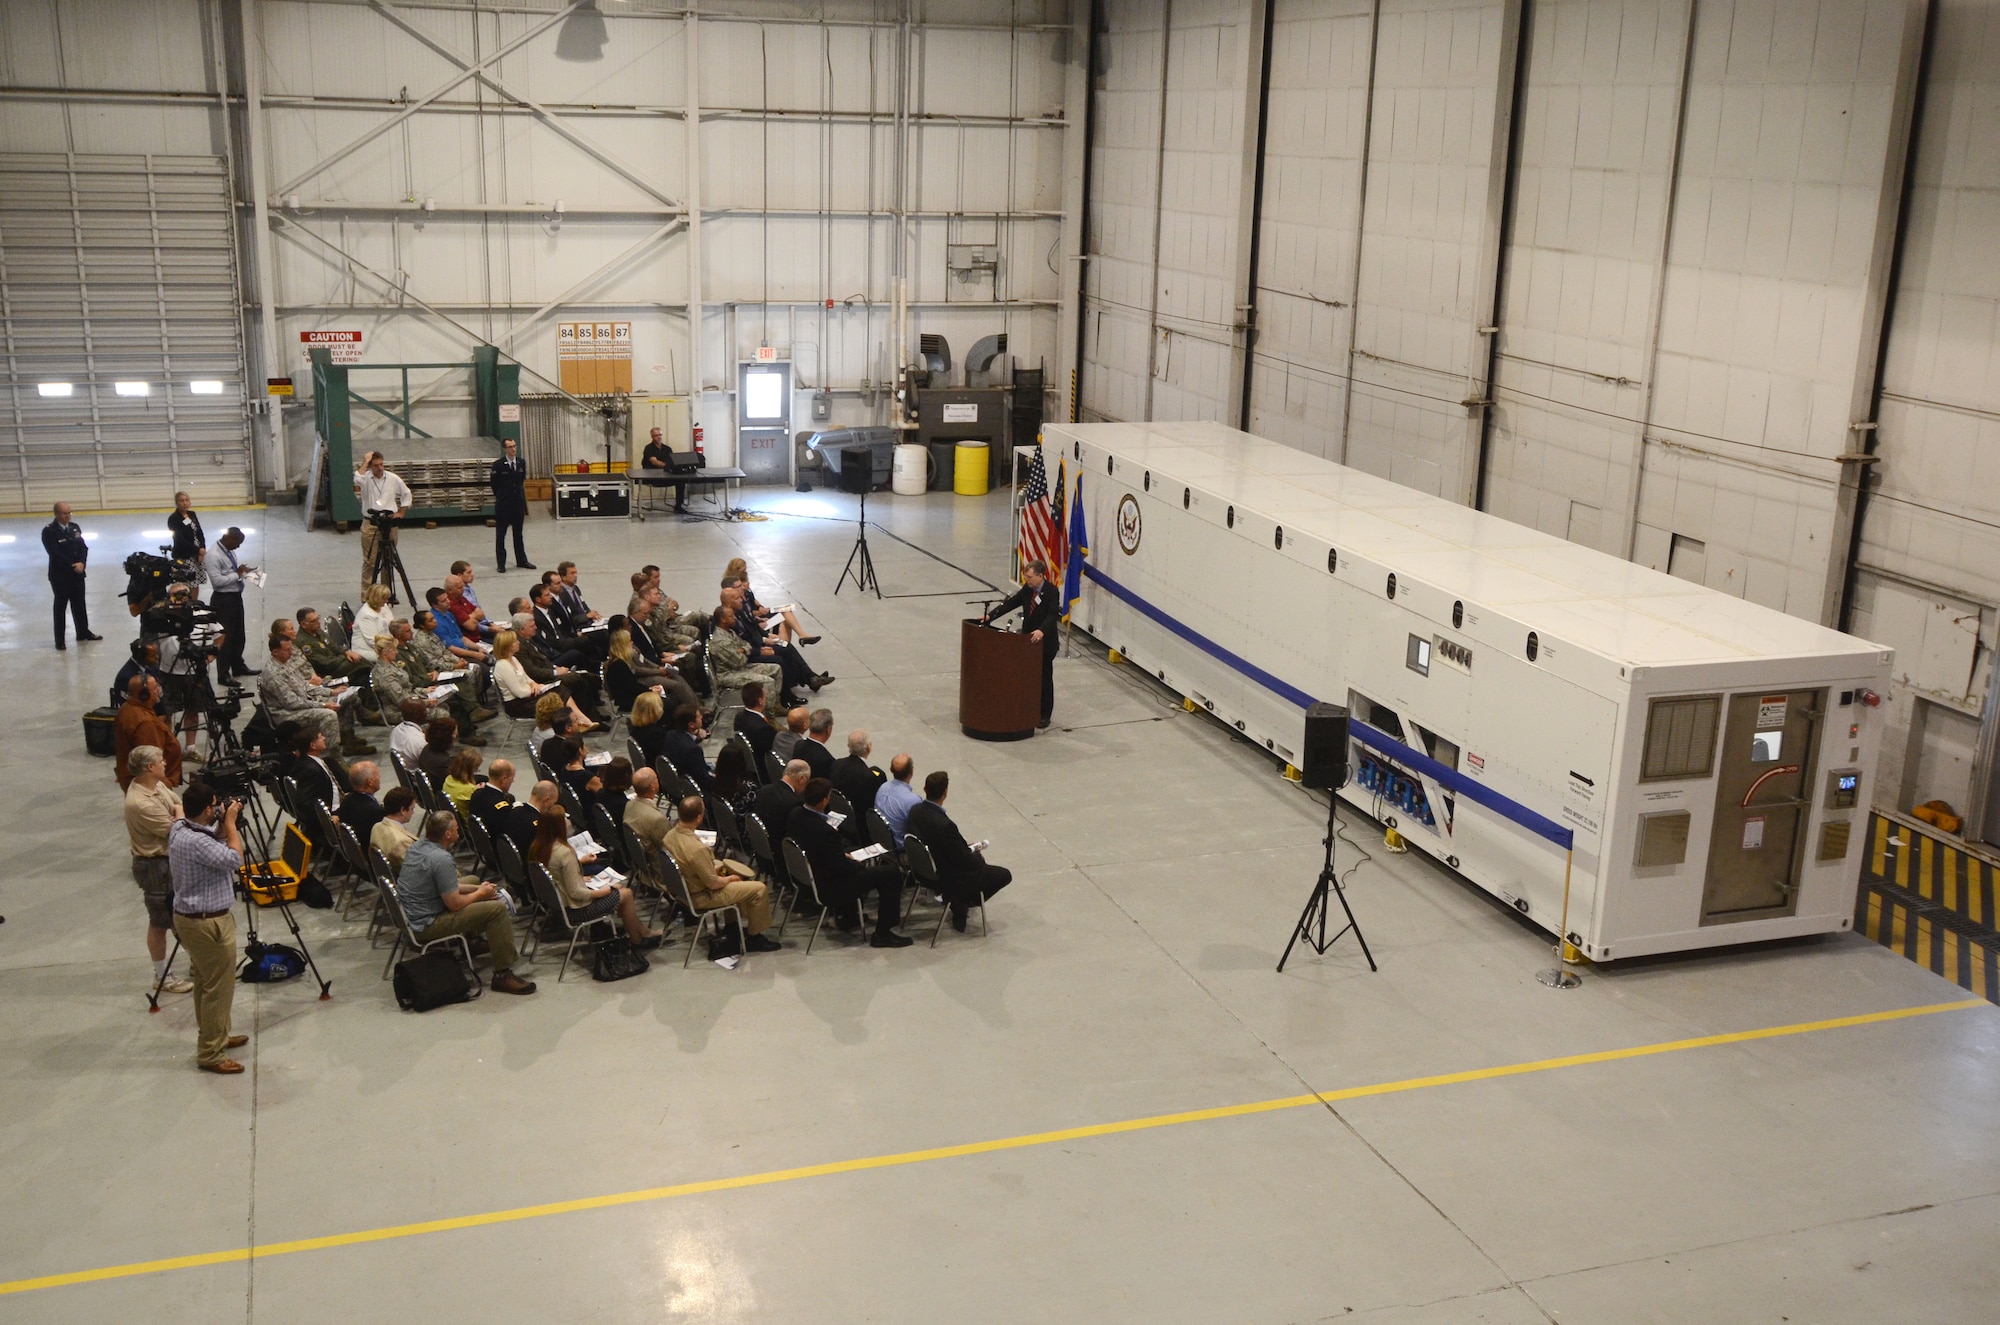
1928	896
448	484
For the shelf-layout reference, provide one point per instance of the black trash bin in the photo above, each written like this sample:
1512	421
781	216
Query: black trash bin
943	458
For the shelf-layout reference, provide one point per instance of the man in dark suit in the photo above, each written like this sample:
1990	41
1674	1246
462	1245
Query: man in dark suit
62	539
1040	615
841	880
509	478
792	664
857	779
682	748
523	819
814	749
361	809
963	873
754	726
319	778
773	806
552	625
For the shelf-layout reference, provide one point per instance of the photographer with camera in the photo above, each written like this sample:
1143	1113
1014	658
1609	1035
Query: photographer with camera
225	599
385	500
204	852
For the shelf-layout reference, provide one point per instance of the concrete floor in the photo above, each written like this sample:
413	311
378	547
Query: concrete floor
1845	1174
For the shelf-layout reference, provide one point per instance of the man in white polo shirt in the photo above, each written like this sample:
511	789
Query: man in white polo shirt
382	492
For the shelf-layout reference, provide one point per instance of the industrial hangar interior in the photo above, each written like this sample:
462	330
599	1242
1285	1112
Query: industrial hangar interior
1497	504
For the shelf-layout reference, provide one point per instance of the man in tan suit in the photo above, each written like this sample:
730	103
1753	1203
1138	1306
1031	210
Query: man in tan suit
712	883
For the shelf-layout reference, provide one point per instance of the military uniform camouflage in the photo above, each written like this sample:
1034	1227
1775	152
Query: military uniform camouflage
734	670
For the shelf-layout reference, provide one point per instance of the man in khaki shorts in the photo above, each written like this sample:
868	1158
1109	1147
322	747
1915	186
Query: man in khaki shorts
150	810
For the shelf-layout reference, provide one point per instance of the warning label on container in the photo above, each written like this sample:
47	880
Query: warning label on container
1771	712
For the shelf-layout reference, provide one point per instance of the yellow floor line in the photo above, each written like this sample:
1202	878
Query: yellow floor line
395	1231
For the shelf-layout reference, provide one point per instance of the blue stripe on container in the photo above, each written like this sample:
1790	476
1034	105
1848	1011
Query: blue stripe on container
1508	809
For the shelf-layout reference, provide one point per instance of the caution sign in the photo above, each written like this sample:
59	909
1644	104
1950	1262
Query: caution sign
1771	712
344	345
278	386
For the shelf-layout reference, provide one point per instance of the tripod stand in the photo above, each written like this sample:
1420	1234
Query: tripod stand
1312	920
388	564
864	578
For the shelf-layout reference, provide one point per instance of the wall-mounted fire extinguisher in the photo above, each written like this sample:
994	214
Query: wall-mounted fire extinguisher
697	440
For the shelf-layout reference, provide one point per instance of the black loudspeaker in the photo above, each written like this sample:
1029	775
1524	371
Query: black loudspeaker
1323	760
857	469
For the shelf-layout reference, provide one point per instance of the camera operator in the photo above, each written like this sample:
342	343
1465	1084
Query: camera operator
225	597
385	499
204	852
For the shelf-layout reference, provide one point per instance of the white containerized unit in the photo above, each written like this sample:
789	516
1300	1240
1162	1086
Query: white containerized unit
1513	697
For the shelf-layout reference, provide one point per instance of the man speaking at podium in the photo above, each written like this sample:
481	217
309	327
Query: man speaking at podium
1040	614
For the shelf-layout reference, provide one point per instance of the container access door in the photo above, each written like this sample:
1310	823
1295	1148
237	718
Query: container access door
1770	751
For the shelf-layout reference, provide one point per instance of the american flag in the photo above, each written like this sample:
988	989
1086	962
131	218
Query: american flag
1041	518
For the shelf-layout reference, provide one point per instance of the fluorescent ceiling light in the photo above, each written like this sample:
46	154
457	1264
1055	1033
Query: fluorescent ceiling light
132	388
206	386
55	388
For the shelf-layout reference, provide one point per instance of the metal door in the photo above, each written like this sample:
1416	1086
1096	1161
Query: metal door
1770	753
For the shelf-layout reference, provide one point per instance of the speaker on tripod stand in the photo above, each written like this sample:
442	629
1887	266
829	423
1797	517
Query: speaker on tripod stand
857	475
1323	766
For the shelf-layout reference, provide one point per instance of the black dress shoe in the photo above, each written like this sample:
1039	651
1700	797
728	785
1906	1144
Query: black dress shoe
763	943
527	565
825	678
247	671
808	639
62	647
958	918
890	939
86	635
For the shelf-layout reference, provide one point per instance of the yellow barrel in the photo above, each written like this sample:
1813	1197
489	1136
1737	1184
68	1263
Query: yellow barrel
969	469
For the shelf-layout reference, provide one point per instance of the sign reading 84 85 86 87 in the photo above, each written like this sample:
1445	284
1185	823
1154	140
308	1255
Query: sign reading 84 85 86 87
1128	524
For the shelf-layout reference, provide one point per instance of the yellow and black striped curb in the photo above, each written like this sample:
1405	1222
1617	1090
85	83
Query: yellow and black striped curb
1932	901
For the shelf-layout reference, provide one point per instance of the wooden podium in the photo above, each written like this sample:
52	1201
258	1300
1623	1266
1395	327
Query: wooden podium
999	683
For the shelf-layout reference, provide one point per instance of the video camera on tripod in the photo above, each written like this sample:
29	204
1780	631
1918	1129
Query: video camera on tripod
149	577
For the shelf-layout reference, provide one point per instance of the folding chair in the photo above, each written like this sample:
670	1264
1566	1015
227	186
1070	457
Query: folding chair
605	829
750	760
728	828
765	858
924	868
406	938
482	841
634	753
644	873
517	711
803	882
355	857
715	691
404	776
669	871
555	910
571	803
774	767
514	873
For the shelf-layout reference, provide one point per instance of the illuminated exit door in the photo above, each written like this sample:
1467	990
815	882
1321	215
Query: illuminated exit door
764	420
1769	756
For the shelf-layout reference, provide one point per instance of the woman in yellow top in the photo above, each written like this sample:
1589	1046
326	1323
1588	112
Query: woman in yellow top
462	779
585	902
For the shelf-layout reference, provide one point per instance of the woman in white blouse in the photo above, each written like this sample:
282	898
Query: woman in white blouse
515	683
373	619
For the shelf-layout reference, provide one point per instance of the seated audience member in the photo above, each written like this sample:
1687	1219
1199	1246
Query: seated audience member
617	779
773	806
361	808
586	903
462	778
516	686
549	706
814	748
289	697
648	726
374	619
139	723
791	663
841	880
322	654
466	574
440	622
393	690
896	797
642	813
527	817
471	621
438	902
786	742
752	724
428	662
391	835
150	810
650	614
784	624
406	739
316	776
440	748
735	785
569	589
683	747
545	669
644	675
732	660
672	627
963	873
492	801
713	882
562	638
588	781
855	778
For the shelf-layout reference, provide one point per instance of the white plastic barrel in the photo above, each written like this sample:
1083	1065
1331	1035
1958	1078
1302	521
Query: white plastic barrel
911	474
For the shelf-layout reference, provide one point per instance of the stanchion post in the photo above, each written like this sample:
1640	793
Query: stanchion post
1558	977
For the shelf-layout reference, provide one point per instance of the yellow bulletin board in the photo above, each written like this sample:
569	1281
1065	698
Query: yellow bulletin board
594	358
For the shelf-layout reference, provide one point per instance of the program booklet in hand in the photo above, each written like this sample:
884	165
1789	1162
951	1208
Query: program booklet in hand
869	852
